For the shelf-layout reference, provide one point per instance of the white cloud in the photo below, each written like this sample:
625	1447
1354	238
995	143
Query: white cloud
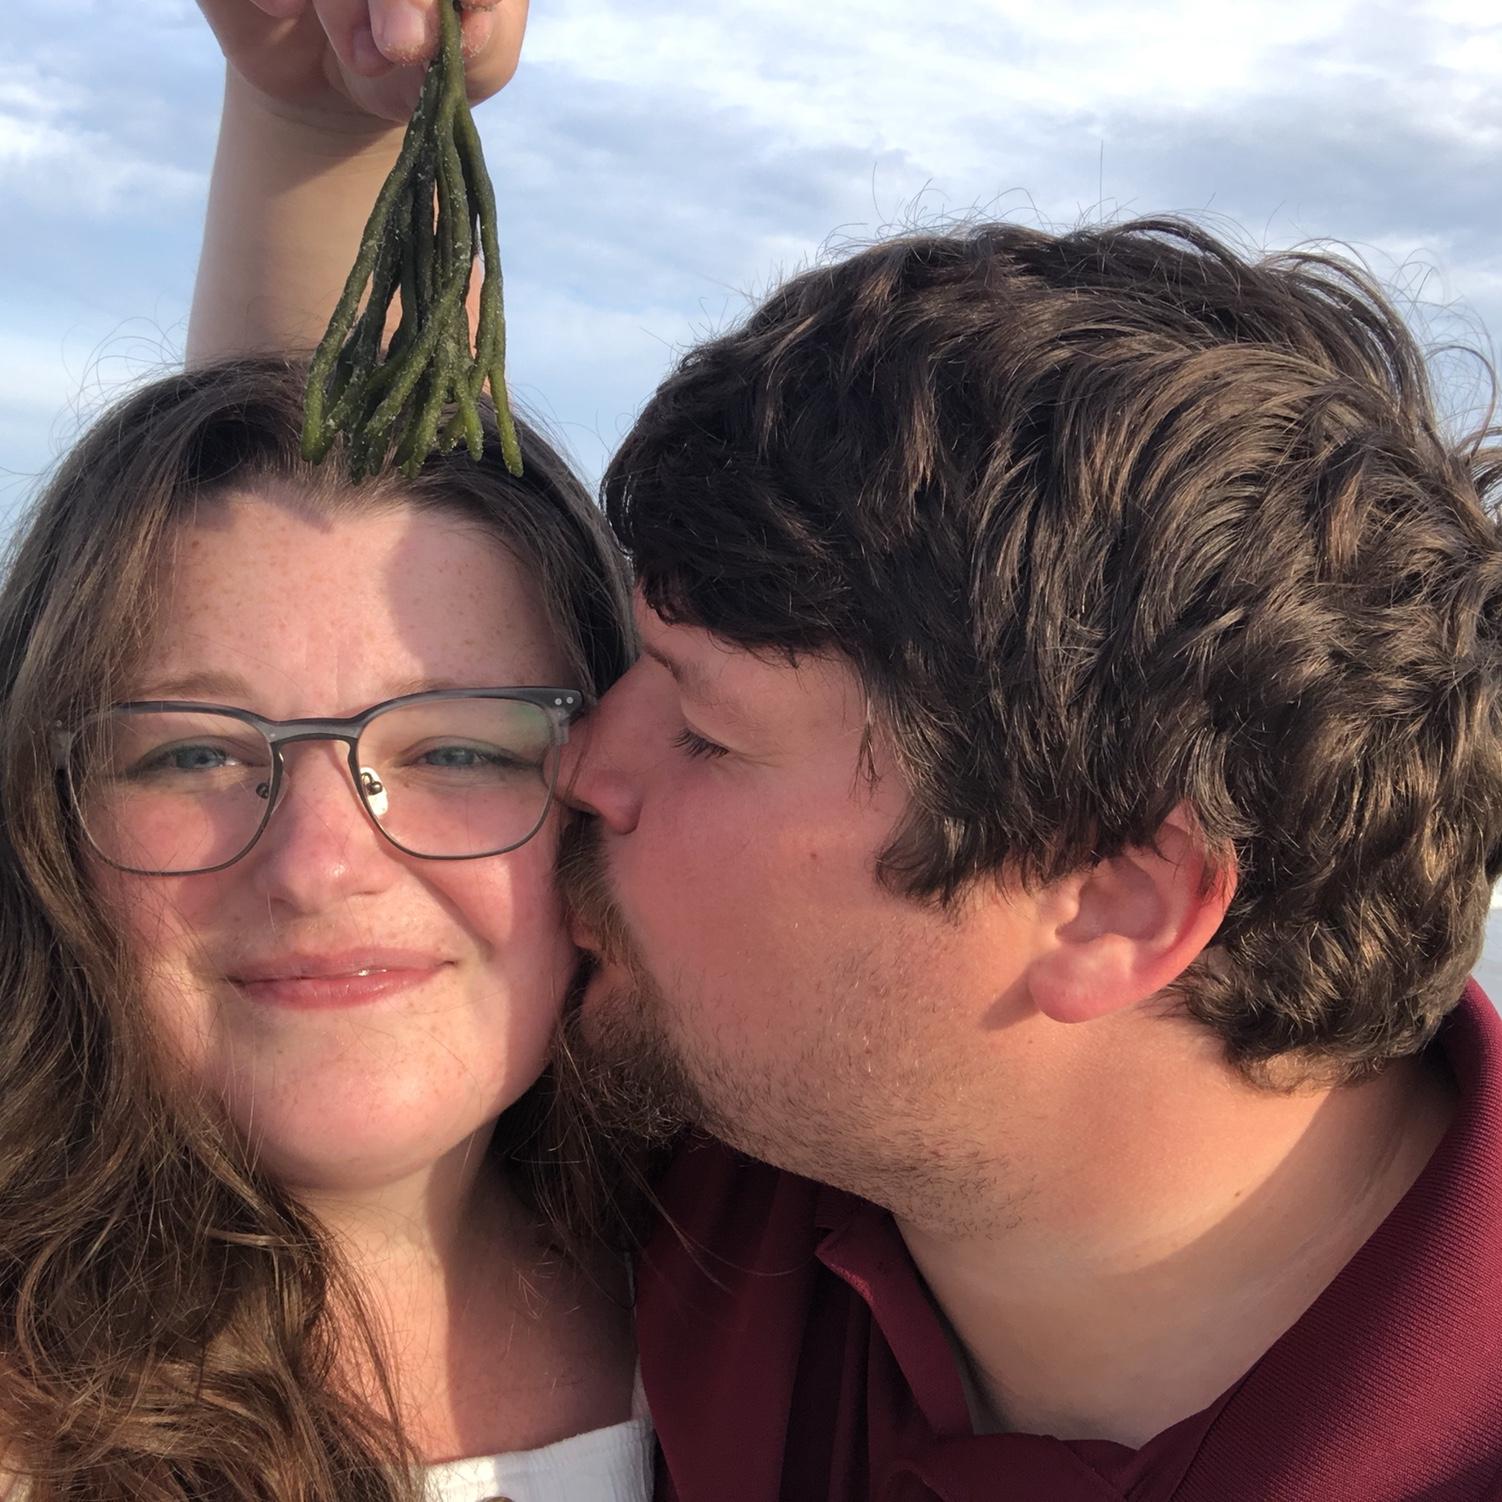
583	369
36	156
33	378
848	70
659	162
54	379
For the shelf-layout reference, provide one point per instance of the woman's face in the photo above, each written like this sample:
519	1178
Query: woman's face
254	974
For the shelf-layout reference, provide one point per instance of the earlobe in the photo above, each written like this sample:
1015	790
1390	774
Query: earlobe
1127	927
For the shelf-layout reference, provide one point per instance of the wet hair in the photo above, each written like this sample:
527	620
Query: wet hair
1111	522
172	1324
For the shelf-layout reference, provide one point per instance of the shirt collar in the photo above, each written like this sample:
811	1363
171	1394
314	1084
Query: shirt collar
1410	1329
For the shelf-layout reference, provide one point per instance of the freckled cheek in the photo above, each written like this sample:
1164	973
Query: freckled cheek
162	919
510	904
163	922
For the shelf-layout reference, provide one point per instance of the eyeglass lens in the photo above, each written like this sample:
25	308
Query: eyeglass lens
172	792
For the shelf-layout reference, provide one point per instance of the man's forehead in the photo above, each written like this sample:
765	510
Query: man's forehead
681	637
717	670
697	659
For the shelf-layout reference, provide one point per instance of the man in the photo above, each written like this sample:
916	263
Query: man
1052	824
1056	807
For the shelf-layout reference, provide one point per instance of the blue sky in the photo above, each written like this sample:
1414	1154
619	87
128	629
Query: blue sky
661	164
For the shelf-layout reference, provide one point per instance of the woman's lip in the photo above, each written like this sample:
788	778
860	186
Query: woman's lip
317	982
317	964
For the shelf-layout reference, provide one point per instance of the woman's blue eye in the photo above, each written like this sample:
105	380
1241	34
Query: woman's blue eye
185	759
493	761
459	756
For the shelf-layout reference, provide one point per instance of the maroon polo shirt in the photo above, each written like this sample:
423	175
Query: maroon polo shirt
790	1352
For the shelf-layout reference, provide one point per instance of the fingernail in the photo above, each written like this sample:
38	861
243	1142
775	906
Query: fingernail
477	27
401	29
367	58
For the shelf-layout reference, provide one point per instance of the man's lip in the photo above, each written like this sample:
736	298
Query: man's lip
331	965
581	935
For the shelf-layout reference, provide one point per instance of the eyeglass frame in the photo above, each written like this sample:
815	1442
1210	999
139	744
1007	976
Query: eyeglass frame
561	705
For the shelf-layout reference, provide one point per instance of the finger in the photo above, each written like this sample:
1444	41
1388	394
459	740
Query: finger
503	50
366	58
347	24
406	31
476	27
492	44
281	10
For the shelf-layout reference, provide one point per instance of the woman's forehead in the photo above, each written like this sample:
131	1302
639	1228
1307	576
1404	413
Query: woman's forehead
292	601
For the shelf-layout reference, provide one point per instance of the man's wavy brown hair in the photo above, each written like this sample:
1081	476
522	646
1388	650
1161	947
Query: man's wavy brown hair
172	1325
1111	522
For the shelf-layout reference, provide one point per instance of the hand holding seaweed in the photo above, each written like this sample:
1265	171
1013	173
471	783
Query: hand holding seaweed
391	407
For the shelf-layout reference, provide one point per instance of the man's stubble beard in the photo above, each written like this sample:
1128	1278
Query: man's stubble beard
626	1077
615	1059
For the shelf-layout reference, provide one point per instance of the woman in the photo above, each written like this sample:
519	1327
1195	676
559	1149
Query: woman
282	962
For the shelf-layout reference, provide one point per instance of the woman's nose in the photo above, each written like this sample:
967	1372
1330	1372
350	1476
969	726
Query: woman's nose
319	844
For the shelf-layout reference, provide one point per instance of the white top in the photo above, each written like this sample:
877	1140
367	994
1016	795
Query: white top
604	1465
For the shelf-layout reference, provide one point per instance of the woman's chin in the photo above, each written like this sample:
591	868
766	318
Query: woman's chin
308	1168
356	1145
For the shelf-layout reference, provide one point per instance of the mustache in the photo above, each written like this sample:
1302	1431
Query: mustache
584	882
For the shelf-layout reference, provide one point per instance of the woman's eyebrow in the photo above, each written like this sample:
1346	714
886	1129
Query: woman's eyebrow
231	688
435	685
227	687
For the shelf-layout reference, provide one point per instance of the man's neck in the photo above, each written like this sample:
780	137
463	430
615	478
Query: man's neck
1122	1301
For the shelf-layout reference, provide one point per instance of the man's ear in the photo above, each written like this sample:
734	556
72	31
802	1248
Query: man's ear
1125	928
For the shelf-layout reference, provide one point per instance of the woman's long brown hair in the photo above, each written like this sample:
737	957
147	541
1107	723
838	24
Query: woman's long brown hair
170	1321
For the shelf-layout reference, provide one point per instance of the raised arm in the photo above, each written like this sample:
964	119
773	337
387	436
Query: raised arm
316	96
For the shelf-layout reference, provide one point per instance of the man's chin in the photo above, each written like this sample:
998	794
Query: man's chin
626	1078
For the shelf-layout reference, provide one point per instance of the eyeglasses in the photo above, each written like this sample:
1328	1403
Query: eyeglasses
163	788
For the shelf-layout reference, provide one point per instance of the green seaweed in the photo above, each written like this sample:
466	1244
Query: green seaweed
392	404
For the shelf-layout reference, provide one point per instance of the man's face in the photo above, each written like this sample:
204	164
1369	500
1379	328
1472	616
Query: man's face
751	959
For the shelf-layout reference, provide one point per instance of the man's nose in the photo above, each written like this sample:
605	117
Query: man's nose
596	774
